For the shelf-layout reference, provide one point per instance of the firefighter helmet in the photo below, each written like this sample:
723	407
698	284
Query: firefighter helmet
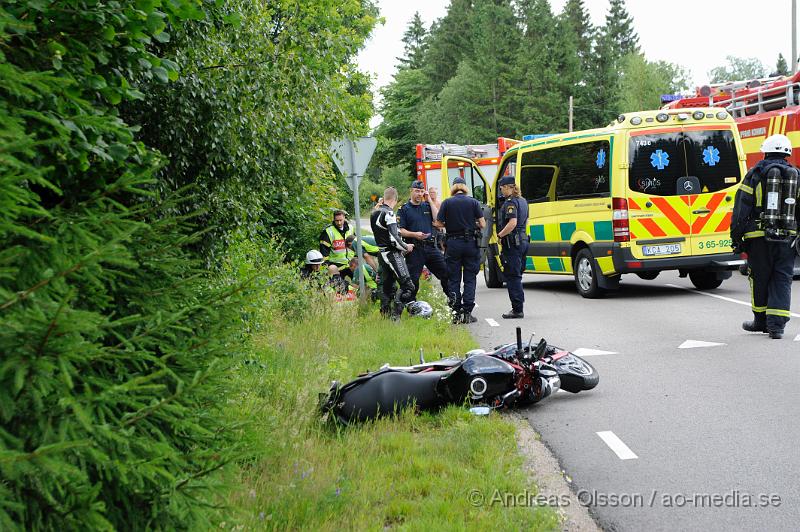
314	257
777	144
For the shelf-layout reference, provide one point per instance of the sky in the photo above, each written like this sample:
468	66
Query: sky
695	34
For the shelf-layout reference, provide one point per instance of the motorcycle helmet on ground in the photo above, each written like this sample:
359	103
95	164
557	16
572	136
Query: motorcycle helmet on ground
419	308
314	257
777	144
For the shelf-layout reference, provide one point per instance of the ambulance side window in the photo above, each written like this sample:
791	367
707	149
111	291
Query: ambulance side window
583	170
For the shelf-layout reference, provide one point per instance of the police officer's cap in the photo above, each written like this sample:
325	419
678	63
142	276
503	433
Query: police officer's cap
418	184
506	180
459	181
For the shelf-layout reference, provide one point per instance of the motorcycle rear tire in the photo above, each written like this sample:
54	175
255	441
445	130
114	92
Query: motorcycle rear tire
576	374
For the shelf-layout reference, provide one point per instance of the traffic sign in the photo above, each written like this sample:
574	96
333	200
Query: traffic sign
352	157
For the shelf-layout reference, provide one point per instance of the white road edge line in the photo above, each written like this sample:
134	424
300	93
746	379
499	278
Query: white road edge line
618	446
730	300
491	322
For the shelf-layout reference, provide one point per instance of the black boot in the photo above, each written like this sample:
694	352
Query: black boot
775	334
754	326
467	317
513	315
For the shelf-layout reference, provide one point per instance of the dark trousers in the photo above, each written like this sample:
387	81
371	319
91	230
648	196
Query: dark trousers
771	265
513	259
427	255
463	258
394	271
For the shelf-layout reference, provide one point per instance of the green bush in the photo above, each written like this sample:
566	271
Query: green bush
113	338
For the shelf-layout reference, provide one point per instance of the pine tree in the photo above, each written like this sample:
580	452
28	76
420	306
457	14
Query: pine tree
578	21
415	44
547	69
397	132
476	105
781	68
450	40
619	29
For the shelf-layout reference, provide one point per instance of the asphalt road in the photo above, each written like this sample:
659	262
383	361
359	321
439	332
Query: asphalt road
709	434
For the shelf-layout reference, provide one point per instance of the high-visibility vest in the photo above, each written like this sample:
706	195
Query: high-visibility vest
339	253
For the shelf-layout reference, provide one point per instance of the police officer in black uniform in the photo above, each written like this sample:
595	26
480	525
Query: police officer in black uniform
514	239
392	263
415	220
765	226
462	217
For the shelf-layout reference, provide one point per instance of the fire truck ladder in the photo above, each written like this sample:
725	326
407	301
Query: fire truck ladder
767	98
435	152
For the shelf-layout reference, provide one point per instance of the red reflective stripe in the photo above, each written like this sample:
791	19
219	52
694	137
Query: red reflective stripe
632	203
633	237
676	219
698	224
690	199
652	227
725	224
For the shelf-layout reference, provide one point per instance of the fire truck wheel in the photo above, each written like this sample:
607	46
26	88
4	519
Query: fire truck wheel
704	280
585	270
491	271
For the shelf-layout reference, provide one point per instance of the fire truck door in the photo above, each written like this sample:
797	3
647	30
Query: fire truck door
477	186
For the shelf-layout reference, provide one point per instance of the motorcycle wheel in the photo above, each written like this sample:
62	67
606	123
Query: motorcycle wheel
576	374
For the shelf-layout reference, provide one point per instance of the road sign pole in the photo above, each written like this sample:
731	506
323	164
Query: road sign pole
361	282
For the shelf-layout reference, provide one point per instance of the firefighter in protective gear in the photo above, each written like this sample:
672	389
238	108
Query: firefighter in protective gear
514	238
332	240
393	268
764	225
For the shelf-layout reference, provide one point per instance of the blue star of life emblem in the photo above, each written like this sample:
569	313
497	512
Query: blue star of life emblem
659	159
601	158
711	156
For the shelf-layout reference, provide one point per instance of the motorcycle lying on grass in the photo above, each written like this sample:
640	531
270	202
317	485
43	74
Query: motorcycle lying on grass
509	375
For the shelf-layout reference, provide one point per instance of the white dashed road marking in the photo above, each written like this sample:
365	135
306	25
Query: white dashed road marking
689	344
584	352
491	322
797	338
618	446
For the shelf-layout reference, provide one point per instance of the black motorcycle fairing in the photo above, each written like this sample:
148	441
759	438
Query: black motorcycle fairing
478	377
387	392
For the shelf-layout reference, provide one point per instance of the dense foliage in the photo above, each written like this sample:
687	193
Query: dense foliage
133	135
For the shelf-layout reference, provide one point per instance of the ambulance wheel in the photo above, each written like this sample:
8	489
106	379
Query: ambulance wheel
586	275
491	272
705	280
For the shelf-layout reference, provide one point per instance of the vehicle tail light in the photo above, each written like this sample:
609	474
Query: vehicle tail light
619	220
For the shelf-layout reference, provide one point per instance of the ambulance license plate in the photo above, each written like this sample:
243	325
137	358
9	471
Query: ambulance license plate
662	249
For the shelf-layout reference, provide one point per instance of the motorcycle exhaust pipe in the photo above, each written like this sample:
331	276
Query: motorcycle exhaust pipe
513	394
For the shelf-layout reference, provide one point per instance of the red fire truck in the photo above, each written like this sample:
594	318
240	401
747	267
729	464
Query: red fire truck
486	156
761	107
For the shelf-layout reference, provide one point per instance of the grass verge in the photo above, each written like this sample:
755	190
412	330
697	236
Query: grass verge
411	471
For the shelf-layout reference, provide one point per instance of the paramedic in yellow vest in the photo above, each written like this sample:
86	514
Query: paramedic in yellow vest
332	243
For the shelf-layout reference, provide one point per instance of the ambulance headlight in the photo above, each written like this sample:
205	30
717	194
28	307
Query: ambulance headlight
662	117
722	115
698	115
636	120
621	118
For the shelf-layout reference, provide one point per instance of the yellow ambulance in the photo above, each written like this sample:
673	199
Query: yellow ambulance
652	191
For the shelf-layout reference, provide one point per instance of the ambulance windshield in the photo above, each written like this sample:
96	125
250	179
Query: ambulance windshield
659	160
